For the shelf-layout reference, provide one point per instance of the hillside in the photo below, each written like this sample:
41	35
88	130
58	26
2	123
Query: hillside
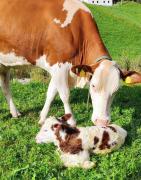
120	28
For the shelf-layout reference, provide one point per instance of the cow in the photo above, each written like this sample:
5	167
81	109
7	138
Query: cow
76	143
61	37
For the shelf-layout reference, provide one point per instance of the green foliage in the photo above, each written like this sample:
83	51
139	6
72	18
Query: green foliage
38	75
21	158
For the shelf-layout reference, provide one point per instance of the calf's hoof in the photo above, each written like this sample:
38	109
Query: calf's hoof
88	165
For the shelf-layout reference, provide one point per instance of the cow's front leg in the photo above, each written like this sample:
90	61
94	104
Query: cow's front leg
61	80
5	77
51	93
64	95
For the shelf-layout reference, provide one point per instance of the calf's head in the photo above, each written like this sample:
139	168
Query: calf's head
47	133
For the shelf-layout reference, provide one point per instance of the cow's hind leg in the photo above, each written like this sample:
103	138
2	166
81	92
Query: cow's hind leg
51	93
5	78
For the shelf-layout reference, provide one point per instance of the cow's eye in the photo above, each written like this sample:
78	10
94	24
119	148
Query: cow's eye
93	85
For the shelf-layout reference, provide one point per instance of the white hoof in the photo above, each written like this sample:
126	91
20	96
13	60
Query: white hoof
16	114
88	165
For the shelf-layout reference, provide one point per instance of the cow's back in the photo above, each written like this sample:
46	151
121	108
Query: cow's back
30	29
23	26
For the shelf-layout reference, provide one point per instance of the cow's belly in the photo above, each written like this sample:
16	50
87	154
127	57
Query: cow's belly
11	60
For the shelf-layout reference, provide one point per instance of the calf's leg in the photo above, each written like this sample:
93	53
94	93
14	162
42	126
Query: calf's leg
5	78
81	159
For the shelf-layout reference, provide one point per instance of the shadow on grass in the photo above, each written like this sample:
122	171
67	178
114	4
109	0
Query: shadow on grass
5	114
130	98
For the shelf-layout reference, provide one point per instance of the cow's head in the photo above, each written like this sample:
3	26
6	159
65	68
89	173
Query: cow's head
48	129
104	78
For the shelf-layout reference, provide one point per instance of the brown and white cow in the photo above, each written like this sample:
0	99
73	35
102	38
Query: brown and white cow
60	36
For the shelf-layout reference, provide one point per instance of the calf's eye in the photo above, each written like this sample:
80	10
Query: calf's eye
45	130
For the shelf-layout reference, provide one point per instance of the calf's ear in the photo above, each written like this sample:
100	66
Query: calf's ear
131	77
66	117
56	126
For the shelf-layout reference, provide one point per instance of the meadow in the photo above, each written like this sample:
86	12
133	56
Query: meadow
20	156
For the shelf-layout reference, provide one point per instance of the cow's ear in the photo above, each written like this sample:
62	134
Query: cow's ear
66	117
131	77
84	70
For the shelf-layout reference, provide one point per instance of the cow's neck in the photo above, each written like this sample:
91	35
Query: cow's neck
94	50
92	47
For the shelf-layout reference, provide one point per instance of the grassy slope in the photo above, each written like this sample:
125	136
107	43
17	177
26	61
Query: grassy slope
120	27
22	158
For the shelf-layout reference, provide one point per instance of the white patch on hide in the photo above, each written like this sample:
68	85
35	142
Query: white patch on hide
60	68
57	21
42	63
71	6
75	160
11	59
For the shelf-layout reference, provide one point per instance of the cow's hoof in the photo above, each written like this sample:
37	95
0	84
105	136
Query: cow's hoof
16	114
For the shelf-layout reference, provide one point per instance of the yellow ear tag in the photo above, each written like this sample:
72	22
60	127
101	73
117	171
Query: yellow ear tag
82	73
128	80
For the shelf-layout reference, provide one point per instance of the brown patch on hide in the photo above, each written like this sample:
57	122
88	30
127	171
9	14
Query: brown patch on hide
66	117
105	140
71	144
96	140
112	128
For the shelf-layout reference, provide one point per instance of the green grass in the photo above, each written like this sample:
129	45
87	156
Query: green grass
21	158
120	28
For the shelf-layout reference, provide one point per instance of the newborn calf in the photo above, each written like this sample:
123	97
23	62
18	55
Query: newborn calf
76	143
